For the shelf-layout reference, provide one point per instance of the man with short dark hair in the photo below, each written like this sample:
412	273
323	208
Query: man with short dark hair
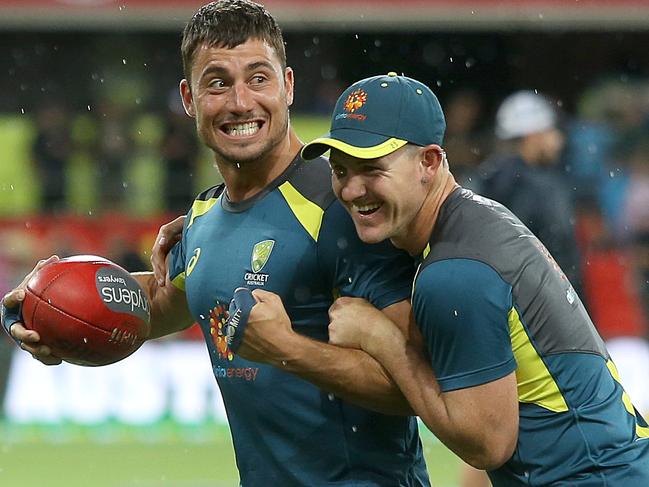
302	412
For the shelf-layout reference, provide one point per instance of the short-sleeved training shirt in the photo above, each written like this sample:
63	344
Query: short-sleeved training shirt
490	300
296	240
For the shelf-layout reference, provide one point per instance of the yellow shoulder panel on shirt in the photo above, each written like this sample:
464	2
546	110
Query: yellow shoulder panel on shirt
200	207
535	383
179	281
307	212
426	251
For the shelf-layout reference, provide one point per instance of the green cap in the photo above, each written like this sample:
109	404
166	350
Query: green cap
378	115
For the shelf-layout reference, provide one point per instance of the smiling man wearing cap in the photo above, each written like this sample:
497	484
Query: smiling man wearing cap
516	379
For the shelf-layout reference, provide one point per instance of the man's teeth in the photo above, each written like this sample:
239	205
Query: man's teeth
242	129
366	208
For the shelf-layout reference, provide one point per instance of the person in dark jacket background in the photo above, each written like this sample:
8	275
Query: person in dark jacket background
528	180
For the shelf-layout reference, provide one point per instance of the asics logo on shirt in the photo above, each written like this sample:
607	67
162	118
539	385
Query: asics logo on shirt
192	261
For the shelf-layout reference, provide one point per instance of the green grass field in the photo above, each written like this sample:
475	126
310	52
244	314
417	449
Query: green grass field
164	455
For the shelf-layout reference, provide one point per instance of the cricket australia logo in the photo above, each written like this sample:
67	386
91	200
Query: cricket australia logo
260	255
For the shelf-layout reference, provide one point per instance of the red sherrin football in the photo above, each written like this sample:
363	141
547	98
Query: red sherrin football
87	309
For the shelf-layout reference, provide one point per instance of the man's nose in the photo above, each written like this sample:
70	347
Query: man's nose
240	99
353	188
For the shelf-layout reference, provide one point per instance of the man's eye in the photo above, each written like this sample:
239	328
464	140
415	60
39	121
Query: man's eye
217	83
258	79
338	171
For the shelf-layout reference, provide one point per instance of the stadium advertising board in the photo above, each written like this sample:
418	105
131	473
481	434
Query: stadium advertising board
338	14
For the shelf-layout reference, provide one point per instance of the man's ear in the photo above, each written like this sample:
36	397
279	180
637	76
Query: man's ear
289	83
432	158
187	98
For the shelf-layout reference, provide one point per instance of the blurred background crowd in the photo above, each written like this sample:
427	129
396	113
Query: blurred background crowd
96	150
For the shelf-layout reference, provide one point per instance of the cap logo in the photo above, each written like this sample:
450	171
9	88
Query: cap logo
355	101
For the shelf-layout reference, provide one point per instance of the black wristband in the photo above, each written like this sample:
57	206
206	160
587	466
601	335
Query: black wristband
10	316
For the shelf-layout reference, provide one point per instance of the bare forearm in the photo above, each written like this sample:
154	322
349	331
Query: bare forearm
350	374
169	312
459	419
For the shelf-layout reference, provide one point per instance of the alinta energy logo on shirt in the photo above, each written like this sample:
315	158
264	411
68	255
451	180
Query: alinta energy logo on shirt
260	255
221	340
218	317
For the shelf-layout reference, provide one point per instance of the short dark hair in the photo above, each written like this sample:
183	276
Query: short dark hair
229	23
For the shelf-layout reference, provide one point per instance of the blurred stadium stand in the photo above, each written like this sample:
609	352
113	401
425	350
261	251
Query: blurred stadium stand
95	144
